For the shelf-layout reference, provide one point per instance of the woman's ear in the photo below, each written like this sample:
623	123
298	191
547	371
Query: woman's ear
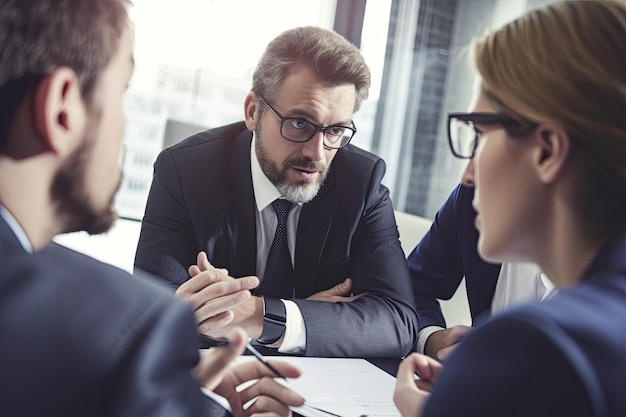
251	111
59	113
554	147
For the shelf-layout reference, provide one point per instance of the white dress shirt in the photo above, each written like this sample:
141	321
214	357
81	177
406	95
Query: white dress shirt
517	283
266	221
16	228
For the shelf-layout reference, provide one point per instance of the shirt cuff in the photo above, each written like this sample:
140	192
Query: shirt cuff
423	336
295	330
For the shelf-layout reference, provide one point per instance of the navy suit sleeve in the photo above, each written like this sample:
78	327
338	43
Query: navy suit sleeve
92	340
435	264
510	367
154	366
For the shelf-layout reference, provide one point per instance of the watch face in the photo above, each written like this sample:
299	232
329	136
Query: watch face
274	320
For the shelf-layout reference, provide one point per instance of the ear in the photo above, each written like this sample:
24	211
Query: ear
251	111
59	112
552	152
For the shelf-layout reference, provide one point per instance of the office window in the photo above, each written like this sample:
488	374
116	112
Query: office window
426	74
195	58
194	63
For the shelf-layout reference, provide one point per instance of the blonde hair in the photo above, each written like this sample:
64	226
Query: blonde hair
566	63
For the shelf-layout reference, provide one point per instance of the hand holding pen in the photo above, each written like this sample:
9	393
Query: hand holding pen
221	341
216	373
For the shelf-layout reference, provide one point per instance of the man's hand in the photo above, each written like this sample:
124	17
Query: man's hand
339	293
411	394
214	372
441	343
213	295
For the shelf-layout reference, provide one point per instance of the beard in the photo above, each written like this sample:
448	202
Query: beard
71	195
301	192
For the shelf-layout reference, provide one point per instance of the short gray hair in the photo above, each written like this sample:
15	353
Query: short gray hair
329	55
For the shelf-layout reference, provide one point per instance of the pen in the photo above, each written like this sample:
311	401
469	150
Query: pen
222	341
260	357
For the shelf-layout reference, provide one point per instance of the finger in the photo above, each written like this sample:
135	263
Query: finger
271	390
193	270
445	352
267	407
225	294
213	307
455	333
221	296
355	297
256	370
238	340
204	264
215	325
407	369
198	281
269	387
203	261
428	368
424	385
213	364
343	288
202	280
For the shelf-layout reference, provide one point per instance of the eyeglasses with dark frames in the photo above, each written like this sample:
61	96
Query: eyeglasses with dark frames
300	130
463	136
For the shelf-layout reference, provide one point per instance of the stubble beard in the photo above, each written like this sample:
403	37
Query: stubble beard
300	192
72	196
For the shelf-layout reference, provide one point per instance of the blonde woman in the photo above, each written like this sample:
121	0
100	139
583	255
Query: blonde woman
547	132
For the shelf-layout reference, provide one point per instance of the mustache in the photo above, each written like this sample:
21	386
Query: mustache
307	163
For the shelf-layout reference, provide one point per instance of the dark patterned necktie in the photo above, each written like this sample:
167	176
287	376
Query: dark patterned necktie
278	277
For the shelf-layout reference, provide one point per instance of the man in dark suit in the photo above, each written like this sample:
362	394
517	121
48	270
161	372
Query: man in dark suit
78	337
213	193
446	254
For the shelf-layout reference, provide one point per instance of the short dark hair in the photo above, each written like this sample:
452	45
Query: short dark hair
37	36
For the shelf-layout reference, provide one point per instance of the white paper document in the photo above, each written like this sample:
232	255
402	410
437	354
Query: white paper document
341	387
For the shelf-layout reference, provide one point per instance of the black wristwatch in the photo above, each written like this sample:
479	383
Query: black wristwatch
274	319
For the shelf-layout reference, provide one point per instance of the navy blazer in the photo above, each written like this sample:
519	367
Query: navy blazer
82	338
202	199
565	356
447	253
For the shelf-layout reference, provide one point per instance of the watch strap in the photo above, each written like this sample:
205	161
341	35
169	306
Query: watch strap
274	319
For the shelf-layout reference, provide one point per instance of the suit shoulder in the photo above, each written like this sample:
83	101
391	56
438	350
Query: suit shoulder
215	136
73	274
353	153
355	164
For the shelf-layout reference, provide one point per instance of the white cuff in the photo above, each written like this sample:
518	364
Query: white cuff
295	330
423	336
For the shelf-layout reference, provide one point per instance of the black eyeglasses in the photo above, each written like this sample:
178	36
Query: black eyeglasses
300	130
463	135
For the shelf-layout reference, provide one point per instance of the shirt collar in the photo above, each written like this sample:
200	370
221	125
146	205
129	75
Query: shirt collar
264	191
16	228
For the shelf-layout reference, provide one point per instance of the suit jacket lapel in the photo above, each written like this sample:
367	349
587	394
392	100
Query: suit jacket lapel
316	218
239	210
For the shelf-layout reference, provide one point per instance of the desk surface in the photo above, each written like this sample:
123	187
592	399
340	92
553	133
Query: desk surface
388	365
